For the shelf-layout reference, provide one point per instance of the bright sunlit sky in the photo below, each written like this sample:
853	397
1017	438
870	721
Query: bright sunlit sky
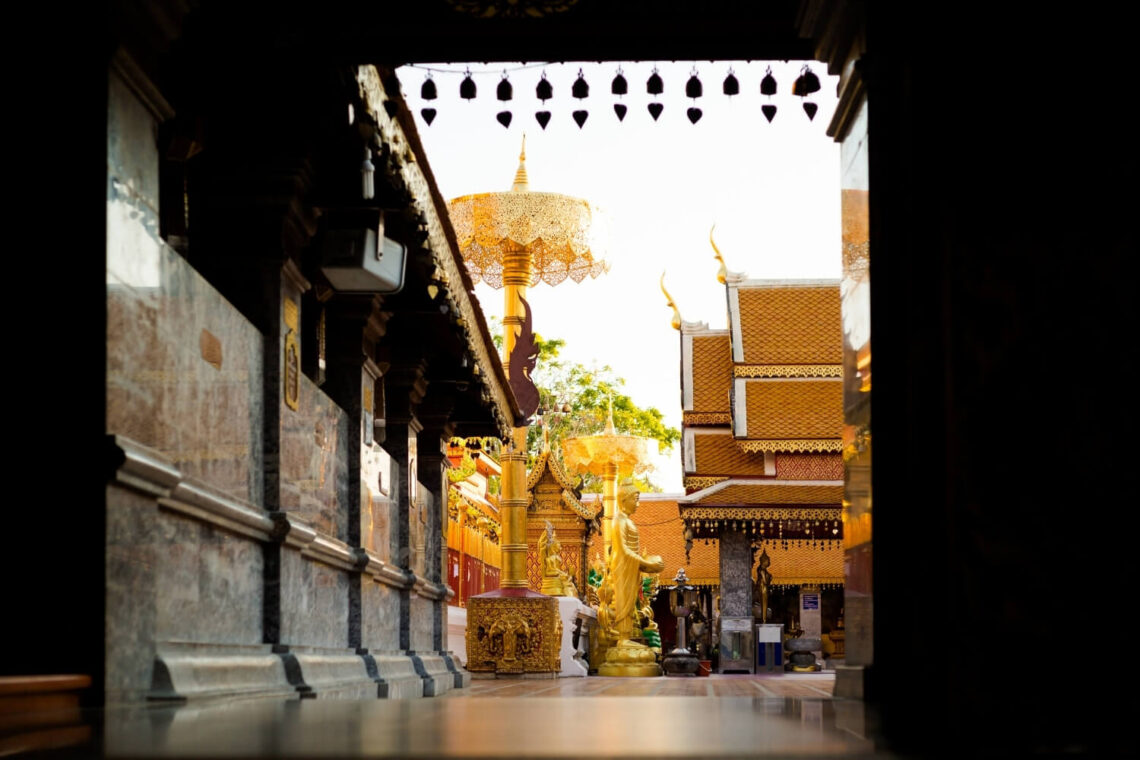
771	189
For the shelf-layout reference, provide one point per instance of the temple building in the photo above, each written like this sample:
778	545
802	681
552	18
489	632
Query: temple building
291	344
762	428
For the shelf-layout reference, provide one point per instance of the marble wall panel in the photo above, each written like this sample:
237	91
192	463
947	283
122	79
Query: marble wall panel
380	617
421	624
208	583
314	461
132	556
735	574
375	491
314	603
183	365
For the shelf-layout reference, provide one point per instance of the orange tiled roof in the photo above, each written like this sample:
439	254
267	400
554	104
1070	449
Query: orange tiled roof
799	408
718	454
712	372
801	563
791	325
825	466
773	492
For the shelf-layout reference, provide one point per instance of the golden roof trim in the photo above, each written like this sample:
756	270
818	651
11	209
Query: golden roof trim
571	501
787	370
790	445
704	481
748	514
706	418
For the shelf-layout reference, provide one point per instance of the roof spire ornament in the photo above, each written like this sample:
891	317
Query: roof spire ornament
522	184
669	302
722	273
610	429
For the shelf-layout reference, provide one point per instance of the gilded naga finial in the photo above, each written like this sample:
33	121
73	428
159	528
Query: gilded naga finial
522	184
722	273
669	302
610	429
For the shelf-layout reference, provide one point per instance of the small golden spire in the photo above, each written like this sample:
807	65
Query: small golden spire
669	302
521	182
545	435
610	430
722	273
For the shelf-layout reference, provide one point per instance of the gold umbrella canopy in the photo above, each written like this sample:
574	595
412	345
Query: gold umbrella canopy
592	453
564	235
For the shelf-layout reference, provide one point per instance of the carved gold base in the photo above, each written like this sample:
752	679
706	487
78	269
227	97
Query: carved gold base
630	659
512	632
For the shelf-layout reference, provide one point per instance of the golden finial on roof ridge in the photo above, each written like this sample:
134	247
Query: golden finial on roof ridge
610	430
722	273
545	435
522	184
669	302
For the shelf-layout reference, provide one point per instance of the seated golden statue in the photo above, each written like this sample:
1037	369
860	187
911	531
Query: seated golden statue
626	565
555	580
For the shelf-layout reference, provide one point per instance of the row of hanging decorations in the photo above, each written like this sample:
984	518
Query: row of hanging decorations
804	85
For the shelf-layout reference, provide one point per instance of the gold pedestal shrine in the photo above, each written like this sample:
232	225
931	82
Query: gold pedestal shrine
511	240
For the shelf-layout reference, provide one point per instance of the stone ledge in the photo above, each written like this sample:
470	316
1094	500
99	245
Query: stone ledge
332	675
399	676
432	668
193	672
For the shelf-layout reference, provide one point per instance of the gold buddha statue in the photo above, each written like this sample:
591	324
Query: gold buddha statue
555	580
628	657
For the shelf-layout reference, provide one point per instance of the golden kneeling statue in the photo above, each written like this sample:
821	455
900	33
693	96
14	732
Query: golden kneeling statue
628	657
555	580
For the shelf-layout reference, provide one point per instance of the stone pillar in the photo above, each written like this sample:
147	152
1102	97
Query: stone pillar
736	631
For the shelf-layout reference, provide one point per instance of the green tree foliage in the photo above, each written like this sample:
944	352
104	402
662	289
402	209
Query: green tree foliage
574	400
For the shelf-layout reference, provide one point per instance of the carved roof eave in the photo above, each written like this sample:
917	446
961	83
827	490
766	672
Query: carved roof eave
400	133
487	508
546	462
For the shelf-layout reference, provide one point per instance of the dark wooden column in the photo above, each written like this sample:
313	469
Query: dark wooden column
404	388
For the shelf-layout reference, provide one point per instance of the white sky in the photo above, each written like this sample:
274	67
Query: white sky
771	189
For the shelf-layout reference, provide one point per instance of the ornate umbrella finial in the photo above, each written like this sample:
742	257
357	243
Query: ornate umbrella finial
521	183
610	429
669	302
722	273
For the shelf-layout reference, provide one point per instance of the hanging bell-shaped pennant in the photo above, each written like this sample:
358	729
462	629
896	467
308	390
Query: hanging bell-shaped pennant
543	118
655	86
428	114
806	83
620	109
810	109
427	89
768	83
655	110
731	85
504	118
544	91
693	88
504	91
694	115
580	88
580	117
619	85
467	87
769	112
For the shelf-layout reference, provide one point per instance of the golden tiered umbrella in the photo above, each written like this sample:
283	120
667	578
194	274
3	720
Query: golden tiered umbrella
513	240
612	456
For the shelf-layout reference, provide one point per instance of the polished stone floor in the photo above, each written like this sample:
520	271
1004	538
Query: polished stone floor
776	715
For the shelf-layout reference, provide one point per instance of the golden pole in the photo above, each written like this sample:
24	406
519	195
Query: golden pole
516	277
609	503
